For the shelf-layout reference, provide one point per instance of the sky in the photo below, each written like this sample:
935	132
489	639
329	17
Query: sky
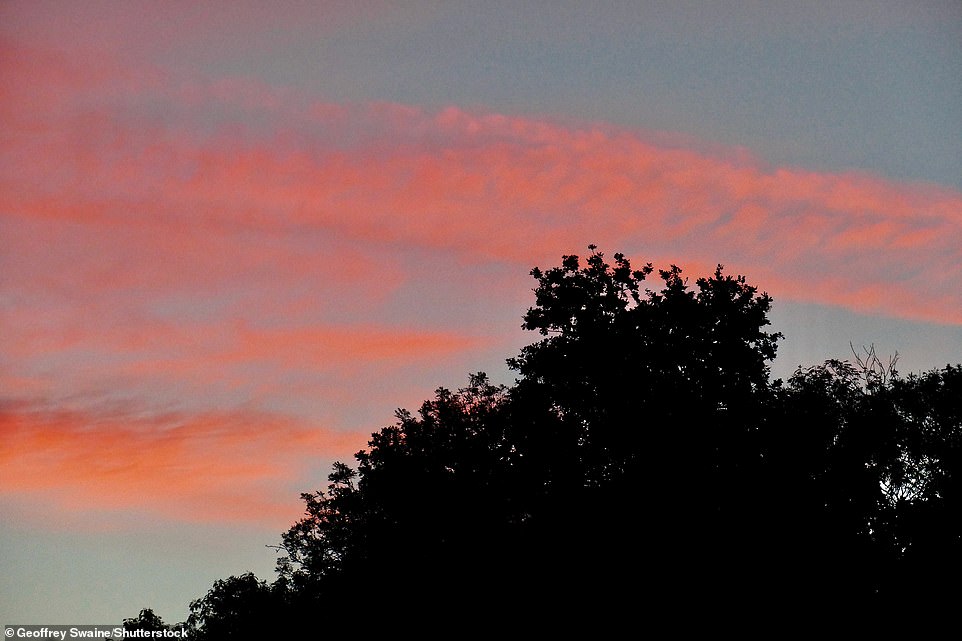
236	236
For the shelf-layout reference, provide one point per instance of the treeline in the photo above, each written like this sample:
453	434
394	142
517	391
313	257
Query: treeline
642	465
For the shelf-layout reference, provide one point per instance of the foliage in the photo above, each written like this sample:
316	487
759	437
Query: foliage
146	621
642	456
866	469
241	607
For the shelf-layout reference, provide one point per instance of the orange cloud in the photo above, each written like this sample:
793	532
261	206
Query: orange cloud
248	160
262	194
205	245
123	191
518	199
331	369
208	245
233	467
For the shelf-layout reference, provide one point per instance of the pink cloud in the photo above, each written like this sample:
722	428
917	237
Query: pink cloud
202	245
163	235
247	157
232	467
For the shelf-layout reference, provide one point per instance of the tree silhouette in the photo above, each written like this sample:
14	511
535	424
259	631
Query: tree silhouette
661	394
243	607
642	460
633	411
869	464
422	515
146	621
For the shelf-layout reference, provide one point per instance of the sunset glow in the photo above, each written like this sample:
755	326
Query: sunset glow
233	240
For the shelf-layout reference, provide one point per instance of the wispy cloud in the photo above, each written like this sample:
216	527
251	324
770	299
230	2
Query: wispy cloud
243	161
202	246
233	467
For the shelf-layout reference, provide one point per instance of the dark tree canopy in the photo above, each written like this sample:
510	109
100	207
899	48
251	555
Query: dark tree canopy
869	463
640	371
642	461
146	621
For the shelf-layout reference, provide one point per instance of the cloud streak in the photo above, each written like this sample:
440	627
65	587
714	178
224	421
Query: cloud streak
199	245
249	159
112	462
